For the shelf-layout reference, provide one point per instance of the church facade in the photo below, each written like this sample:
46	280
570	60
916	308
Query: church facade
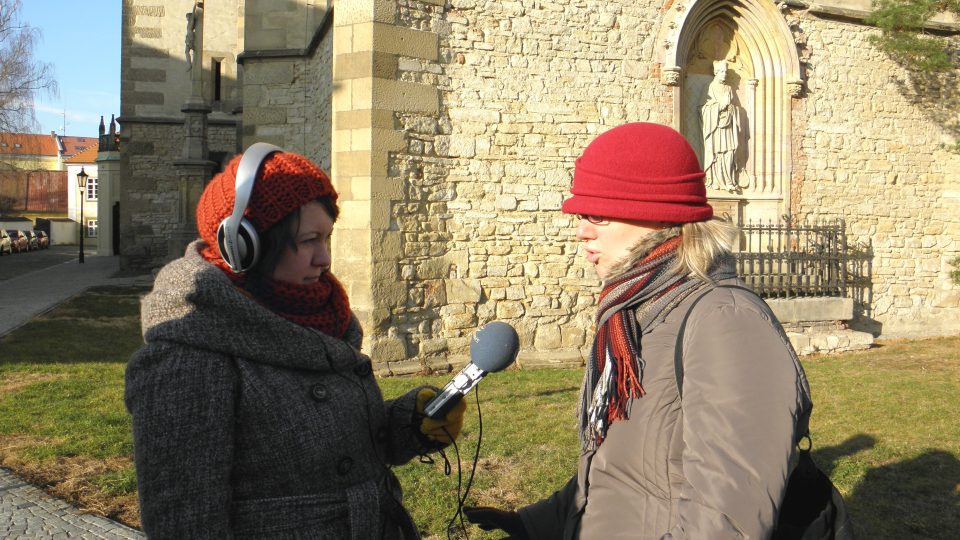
450	128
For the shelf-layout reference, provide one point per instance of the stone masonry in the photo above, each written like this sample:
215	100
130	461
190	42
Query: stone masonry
451	128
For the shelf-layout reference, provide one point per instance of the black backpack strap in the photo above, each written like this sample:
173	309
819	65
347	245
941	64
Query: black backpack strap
678	351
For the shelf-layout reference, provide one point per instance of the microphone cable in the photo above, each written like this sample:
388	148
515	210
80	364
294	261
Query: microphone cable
462	496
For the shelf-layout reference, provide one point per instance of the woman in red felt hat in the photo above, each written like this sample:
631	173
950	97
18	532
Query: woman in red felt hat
682	437
255	415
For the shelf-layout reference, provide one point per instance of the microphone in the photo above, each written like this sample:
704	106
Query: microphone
493	348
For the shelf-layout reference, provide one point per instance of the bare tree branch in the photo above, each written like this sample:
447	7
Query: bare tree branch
22	78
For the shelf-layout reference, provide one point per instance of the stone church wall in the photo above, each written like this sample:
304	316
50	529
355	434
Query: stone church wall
874	157
525	87
286	102
155	83
473	187
523	90
150	196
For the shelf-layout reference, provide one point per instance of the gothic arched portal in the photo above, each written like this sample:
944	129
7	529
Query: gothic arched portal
734	67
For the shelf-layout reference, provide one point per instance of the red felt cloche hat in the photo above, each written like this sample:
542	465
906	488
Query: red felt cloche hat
640	171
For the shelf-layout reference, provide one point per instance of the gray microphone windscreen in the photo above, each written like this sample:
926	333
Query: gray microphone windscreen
494	347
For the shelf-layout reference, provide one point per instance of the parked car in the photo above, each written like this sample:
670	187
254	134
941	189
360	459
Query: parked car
43	241
19	240
32	241
6	245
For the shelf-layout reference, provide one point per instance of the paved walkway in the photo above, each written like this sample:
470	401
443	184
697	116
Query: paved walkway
26	511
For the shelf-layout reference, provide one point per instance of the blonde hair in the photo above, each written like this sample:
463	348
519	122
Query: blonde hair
703	244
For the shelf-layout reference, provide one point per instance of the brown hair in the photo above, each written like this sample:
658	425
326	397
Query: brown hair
279	237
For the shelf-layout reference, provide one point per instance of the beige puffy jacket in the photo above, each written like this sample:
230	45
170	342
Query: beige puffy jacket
713	465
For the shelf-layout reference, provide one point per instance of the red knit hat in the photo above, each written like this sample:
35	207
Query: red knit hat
286	181
640	171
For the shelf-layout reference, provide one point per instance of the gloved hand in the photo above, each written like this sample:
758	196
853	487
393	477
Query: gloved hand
489	519
434	429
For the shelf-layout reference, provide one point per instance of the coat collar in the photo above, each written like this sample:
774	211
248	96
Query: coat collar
193	303
641	250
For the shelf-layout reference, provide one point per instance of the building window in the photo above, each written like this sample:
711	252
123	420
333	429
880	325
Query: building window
92	189
91	228
216	65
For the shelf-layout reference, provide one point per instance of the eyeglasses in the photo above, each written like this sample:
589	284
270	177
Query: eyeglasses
594	220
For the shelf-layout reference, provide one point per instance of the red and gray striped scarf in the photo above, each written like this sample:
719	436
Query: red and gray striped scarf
628	305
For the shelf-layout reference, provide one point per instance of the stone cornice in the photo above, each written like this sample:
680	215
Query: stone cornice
859	15
306	52
173	120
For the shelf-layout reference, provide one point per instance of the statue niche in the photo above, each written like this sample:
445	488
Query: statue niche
735	67
714	121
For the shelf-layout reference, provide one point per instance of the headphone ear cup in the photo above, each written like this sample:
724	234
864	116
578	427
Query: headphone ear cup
247	244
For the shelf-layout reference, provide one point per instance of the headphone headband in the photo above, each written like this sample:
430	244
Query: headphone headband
232	249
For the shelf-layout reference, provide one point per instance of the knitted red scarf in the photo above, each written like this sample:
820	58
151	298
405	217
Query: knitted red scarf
322	305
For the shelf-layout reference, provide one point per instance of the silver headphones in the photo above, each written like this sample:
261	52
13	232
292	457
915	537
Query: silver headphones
237	238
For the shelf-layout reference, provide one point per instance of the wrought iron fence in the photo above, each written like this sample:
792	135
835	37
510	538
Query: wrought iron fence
789	259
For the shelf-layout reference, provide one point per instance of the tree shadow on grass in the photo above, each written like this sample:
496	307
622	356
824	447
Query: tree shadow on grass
915	498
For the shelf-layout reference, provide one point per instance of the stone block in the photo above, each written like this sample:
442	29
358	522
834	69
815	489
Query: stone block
430	347
433	268
548	337
565	358
265	115
405	42
550	200
812	309
455	146
403	96
352	163
573	337
363	118
390	293
507	309
388	349
435	293
463	291
354	215
460	321
357	65
269	73
364	12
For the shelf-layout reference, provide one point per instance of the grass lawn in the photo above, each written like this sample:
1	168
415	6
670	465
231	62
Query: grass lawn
884	426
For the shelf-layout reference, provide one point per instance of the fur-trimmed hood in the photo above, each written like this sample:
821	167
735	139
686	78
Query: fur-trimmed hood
641	250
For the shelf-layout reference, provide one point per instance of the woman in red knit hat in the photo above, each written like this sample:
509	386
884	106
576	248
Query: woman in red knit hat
693	399
255	415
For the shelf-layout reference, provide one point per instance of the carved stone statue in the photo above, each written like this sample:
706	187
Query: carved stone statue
189	39
720	123
191	50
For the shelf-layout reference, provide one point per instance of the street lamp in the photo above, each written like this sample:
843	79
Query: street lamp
82	183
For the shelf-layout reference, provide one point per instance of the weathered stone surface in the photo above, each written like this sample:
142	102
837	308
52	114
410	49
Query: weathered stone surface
465	291
480	110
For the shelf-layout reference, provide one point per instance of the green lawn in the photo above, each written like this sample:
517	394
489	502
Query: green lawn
885	425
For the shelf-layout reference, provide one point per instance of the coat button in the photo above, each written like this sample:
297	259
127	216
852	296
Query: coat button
362	370
344	466
319	392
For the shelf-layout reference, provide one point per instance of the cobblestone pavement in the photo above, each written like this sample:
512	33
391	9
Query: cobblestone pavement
26	512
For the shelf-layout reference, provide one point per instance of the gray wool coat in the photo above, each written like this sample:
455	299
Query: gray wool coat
247	425
713	464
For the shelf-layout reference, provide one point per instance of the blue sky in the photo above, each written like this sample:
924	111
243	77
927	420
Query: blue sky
82	41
